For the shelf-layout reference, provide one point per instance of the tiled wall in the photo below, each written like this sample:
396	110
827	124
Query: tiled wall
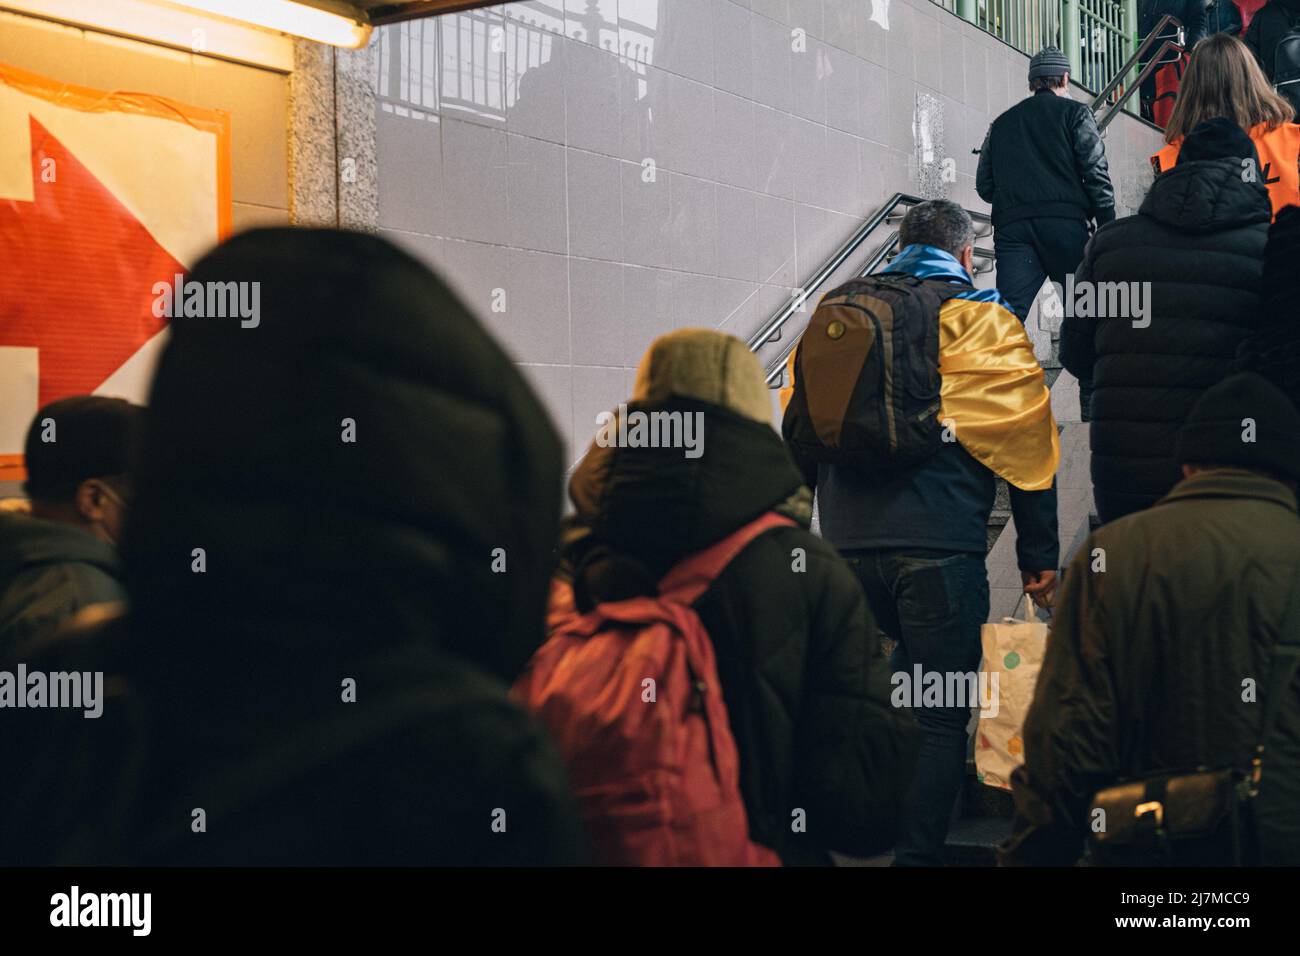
591	173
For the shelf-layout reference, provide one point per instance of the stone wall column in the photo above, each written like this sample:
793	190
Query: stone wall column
333	176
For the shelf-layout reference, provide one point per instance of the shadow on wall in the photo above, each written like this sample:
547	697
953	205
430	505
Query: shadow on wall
486	64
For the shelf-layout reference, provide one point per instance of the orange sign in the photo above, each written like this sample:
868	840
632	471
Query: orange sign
102	195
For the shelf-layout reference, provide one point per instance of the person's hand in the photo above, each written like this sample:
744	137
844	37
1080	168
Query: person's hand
1040	586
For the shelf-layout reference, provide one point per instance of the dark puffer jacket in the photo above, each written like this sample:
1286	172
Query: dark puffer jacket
799	659
1198	239
1268	27
328	686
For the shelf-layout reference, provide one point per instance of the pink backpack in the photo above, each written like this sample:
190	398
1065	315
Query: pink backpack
630	694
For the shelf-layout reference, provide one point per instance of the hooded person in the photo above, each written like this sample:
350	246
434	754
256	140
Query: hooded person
339	552
1274	348
804	681
1151	652
60	558
1267	26
1159	308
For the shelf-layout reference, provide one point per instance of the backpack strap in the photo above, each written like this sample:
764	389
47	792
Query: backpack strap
691	577
1286	658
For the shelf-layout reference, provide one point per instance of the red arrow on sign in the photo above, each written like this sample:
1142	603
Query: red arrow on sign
77	275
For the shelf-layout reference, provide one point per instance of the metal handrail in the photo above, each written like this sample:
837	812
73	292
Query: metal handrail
1154	64
771	329
1151	39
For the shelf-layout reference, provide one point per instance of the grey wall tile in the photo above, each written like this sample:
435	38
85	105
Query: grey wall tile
808	161
598	319
952	53
772	66
843	91
975	66
774	240
774	152
694	223
648	305
595	206
695	301
736	234
844	184
474	160
733	132
535	191
684	44
645	110
592	119
735	307
647	216
535	97
778	10
808	81
410	183
844	19
733	49
535	324
807	15
690	128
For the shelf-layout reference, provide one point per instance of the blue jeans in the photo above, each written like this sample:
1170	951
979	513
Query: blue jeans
932	603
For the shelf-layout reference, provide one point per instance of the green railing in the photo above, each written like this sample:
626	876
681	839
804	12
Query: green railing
1098	36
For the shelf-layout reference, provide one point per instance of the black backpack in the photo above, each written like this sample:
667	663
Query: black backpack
866	388
1286	64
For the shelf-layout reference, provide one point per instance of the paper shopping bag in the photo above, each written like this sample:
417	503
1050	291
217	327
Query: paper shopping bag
1013	655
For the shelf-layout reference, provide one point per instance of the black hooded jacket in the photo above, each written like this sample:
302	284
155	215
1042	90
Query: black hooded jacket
320	503
1198	239
1191	13
1269	25
799	659
48	572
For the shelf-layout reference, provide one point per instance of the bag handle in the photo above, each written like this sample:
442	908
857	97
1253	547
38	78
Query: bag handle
1029	617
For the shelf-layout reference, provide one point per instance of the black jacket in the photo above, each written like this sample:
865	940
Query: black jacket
799	659
331	569
1191	13
1147	660
48	572
1198	239
1044	157
1267	27
1223	16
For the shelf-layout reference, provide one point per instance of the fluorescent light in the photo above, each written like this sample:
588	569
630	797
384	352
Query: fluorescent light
325	21
155	22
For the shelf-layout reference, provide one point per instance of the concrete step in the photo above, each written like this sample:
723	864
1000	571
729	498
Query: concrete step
973	841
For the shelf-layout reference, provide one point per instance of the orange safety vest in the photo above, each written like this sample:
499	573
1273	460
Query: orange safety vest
1279	159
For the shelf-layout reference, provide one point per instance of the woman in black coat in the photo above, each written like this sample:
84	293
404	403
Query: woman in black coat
806	686
1191	263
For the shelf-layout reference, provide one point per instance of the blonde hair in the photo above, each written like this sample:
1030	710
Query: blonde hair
1224	79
